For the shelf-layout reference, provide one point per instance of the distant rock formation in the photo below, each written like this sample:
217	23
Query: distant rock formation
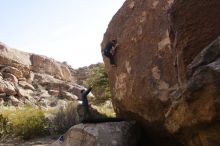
27	78
47	65
82	73
167	74
33	62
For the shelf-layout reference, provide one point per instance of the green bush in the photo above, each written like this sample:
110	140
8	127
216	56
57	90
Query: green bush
5	126
27	122
98	79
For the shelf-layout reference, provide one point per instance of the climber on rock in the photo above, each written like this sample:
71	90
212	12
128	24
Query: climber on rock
109	51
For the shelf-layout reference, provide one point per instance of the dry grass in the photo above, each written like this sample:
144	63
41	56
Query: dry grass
105	108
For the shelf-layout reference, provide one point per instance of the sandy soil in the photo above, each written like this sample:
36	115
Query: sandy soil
43	141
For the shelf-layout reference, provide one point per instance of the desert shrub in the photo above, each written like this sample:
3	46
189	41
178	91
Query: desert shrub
5	126
27	122
73	114
98	79
63	119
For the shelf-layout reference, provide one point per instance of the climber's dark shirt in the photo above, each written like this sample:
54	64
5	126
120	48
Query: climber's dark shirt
108	47
84	97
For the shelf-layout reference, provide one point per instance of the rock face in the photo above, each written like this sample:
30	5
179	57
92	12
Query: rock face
200	101
167	74
103	134
50	66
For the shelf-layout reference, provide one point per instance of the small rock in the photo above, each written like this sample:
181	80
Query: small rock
26	85
44	94
54	92
24	93
14	100
12	70
10	88
1	76
69	96
1	101
2	95
10	77
30	77
22	79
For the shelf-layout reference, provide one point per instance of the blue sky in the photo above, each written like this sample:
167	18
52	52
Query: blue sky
66	30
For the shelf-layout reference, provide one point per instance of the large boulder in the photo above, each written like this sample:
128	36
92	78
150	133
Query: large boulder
200	101
103	134
158	42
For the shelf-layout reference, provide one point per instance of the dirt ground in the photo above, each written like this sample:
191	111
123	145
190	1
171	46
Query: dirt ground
42	141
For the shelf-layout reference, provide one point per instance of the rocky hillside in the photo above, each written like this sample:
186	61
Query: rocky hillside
34	79
82	73
168	69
